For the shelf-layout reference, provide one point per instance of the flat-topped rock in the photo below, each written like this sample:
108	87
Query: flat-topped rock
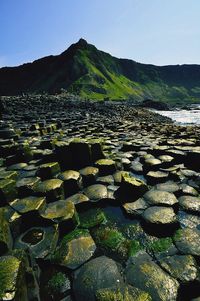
188	241
159	197
136	208
168	186
106	166
159	215
131	189
181	267
72	181
25	186
75	249
101	272
190	203
96	192
52	189
48	170
89	175
28	204
145	274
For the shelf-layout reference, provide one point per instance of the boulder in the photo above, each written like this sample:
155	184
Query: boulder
99	273
159	197
96	192
190	203
146	275
181	267
159	215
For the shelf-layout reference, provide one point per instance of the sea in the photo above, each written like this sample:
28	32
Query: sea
183	117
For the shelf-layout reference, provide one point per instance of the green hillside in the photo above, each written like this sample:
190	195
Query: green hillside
94	74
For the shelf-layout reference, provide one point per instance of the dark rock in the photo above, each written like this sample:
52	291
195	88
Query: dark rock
99	273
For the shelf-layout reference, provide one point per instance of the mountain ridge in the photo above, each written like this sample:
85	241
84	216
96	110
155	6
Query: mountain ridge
95	74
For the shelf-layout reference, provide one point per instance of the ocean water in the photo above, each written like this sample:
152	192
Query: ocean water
184	117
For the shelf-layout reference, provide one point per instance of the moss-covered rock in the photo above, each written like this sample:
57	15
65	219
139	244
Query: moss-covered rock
5	233
106	166
187	241
53	189
58	285
130	189
122	293
96	192
89	175
8	191
28	204
62	212
75	249
181	267
99	273
118	176
145	274
12	280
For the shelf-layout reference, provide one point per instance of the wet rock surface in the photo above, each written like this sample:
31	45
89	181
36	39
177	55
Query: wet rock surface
98	202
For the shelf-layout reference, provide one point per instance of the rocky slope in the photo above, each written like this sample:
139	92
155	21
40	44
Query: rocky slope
94	74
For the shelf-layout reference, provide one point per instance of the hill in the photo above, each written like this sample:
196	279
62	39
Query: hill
94	74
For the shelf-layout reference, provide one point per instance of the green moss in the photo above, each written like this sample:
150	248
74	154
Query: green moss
134	248
178	235
56	283
109	238
9	268
92	218
74	234
109	295
118	294
60	252
161	245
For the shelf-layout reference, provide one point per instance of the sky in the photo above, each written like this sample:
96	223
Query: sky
159	32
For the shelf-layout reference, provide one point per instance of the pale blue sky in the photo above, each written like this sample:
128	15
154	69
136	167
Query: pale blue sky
149	31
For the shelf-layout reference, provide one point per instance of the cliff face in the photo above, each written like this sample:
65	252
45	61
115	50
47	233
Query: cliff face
92	73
